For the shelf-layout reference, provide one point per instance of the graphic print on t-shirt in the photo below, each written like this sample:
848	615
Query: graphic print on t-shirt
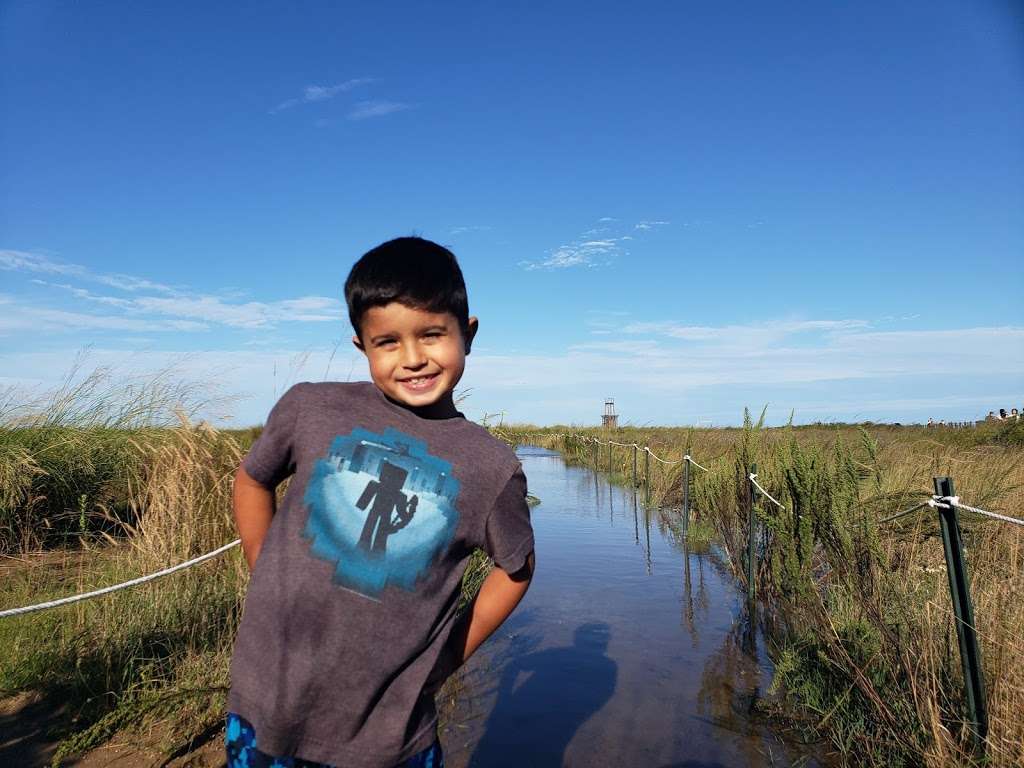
381	508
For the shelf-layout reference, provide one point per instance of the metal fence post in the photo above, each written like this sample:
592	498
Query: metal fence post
751	570
609	458
647	475
634	465
960	594
686	496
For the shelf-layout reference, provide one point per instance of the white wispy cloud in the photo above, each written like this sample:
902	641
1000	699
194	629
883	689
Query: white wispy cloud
594	247
752	334
23	261
186	310
846	372
586	253
655	367
314	93
21	319
364	110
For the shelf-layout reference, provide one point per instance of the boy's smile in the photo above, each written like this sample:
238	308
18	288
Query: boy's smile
416	357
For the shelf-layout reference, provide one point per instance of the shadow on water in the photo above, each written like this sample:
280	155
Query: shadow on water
611	661
561	688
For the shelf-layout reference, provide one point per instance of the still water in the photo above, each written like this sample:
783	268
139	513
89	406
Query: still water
628	650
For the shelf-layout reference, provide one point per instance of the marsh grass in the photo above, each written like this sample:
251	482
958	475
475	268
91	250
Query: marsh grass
859	613
157	651
70	458
102	481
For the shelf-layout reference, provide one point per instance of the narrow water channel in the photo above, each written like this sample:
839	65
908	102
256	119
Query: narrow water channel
628	650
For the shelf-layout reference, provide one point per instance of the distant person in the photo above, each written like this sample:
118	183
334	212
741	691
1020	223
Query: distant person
349	626
991	416
931	422
1002	414
1014	414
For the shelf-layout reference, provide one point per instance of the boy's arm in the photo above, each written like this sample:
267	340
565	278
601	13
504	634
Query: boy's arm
254	507
498	596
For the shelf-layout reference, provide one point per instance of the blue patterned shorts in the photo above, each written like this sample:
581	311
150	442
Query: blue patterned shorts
240	740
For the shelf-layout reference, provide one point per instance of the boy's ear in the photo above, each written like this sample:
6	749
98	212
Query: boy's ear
472	326
359	344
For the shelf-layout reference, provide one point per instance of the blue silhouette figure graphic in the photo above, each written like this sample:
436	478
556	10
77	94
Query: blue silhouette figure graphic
364	490
391	510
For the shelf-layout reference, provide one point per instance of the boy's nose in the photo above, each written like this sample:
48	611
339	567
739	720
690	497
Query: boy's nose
412	356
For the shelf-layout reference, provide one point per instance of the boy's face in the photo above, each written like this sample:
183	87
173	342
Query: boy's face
416	357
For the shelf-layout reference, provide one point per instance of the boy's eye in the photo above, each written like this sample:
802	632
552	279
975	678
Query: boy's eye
386	342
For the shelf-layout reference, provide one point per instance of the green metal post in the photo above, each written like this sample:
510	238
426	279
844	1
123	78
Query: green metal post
647	477
686	497
609	457
960	594
751	523
634	465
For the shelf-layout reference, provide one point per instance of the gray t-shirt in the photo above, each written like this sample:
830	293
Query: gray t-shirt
354	593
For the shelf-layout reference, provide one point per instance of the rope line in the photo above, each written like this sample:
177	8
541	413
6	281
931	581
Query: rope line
647	448
688	458
654	456
954	501
926	503
935	502
753	479
116	587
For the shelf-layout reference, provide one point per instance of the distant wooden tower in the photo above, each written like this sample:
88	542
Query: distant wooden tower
609	418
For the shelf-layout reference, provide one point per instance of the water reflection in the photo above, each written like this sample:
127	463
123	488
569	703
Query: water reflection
535	718
731	687
610	662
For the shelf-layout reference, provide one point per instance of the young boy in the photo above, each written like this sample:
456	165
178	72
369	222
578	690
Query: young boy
349	625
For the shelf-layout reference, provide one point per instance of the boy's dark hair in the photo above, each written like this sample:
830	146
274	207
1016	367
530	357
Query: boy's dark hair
413	271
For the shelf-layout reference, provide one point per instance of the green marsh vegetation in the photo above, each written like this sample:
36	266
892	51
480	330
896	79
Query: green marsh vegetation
101	481
858	614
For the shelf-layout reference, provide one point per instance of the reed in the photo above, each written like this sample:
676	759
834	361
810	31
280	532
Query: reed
859	612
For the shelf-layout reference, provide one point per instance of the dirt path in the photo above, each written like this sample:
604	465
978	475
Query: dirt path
27	719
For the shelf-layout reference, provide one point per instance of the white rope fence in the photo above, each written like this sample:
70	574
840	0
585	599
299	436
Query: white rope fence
943	502
688	458
935	502
954	501
753	478
926	503
116	587
654	456
645	448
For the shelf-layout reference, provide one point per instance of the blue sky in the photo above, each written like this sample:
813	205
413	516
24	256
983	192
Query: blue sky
689	207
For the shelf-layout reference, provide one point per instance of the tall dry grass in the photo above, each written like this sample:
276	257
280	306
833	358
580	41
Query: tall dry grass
859	612
152	659
109	469
69	457
157	652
